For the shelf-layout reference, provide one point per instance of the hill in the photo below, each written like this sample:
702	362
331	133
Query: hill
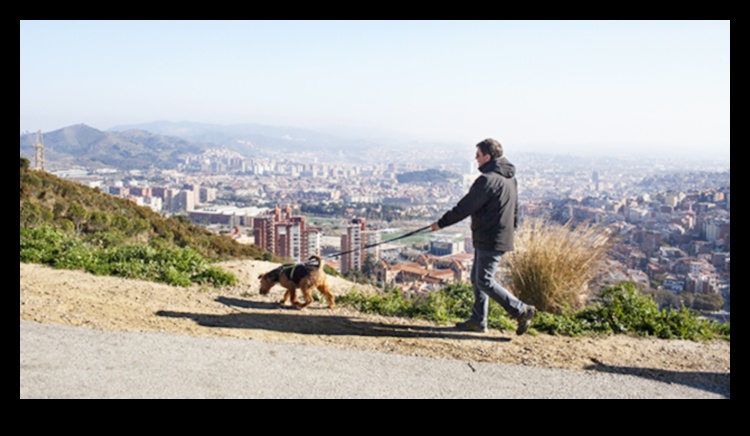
81	145
161	144
108	220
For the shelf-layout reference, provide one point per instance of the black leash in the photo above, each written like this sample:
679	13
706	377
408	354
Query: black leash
379	243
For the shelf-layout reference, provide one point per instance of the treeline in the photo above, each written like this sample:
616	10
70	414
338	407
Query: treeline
427	176
369	211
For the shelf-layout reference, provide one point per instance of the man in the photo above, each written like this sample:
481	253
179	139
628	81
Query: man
492	203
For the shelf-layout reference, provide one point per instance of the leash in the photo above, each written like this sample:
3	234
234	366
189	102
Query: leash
378	243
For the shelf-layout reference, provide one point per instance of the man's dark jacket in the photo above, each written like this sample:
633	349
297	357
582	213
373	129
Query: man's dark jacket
492	202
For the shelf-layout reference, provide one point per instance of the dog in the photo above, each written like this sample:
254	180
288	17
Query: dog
303	276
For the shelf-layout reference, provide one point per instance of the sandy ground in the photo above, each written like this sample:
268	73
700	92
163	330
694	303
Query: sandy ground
107	303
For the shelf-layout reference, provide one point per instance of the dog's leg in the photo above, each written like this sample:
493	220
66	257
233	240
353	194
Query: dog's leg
307	293
290	294
323	288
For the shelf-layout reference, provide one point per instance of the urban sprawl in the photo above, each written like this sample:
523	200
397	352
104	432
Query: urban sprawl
672	224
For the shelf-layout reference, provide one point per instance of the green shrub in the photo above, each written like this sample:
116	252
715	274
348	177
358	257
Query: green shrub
620	309
389	303
179	267
450	304
171	275
216	276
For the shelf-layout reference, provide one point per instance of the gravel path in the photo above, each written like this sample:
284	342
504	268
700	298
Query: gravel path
59	361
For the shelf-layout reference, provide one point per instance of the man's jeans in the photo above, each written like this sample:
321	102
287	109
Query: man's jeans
484	286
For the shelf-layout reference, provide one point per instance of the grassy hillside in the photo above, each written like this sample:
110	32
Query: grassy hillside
107	220
69	225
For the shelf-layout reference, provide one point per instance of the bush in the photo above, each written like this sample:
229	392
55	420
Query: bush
179	267
553	264
216	276
389	303
450	304
44	244
620	309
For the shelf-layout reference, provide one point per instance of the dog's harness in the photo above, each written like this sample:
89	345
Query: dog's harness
295	271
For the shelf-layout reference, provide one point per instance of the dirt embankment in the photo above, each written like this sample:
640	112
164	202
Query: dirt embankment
107	303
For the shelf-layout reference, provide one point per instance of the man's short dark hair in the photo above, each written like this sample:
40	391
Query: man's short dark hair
492	147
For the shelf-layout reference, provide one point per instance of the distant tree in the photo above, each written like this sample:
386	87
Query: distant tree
31	214
66	224
60	208
182	219
657	281
426	176
140	225
356	276
687	298
664	298
121	223
98	221
25	163
78	214
708	302
368	266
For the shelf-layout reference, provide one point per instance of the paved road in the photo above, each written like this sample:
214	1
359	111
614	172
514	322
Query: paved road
74	362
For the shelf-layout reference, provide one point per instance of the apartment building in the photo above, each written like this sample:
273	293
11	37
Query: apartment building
351	244
285	235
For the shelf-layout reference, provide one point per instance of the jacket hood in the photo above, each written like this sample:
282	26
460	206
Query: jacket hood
501	166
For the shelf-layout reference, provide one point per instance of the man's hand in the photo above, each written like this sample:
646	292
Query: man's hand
434	227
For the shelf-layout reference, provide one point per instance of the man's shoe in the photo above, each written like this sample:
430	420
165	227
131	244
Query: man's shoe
471	326
524	321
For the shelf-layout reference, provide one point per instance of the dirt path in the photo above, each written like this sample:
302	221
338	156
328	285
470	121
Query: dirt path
107	303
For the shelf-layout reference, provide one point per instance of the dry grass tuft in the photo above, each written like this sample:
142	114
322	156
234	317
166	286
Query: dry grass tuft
553	263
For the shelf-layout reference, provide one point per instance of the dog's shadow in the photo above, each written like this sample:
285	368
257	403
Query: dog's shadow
247	304
312	323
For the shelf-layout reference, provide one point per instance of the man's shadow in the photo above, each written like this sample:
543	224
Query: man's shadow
718	383
314	324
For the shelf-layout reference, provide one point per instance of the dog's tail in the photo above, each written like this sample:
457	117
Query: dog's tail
316	261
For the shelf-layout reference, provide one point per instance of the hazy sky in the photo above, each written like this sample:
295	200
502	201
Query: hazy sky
601	86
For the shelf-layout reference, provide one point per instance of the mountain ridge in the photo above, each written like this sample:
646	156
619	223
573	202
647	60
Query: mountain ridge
161	144
82	145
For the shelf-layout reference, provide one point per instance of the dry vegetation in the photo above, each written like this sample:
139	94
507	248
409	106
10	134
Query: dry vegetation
553	264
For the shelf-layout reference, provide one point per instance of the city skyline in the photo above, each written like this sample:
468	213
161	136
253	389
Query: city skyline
581	87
